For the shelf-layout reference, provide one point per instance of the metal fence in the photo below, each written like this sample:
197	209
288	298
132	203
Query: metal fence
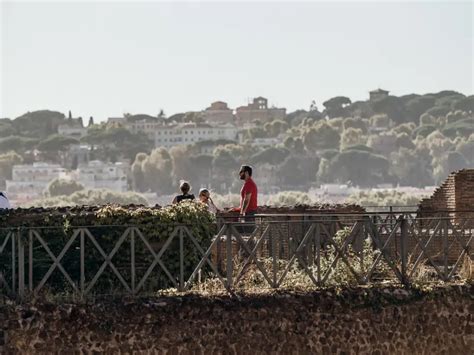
80	261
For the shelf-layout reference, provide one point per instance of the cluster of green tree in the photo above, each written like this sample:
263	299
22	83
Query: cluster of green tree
109	143
407	108
412	140
62	187
266	130
34	136
38	124
161	170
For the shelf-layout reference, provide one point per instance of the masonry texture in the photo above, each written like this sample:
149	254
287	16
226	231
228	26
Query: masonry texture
370	320
455	197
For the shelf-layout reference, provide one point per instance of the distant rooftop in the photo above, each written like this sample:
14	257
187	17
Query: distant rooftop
379	91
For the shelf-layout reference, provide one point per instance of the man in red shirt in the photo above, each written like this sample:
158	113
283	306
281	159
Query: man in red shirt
248	193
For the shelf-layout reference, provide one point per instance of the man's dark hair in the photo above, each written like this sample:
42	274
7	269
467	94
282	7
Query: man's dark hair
246	168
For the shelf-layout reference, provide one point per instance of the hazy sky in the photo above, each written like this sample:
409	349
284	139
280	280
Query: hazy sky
107	58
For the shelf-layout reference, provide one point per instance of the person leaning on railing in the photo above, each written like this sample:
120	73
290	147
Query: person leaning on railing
205	198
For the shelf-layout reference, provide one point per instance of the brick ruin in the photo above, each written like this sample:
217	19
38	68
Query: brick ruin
454	198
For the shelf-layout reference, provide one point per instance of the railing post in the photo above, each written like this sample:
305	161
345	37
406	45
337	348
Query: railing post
367	231
181	259
392	220
13	236
21	266
403	247
318	251
229	267
132	259
30	261
274	246
82	275
445	249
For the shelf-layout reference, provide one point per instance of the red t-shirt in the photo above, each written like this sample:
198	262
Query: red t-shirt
249	187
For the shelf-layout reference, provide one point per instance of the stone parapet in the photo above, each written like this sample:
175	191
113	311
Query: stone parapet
362	320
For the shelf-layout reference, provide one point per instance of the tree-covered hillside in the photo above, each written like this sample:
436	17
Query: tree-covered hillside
414	139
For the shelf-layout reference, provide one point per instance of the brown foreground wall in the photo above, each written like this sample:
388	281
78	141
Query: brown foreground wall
375	321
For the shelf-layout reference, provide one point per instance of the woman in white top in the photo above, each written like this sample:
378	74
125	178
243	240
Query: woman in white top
205	197
4	203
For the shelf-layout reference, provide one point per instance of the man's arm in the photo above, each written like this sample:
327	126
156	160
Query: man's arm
245	203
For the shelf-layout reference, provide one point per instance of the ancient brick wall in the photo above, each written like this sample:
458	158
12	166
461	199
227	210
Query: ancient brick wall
455	194
464	194
364	320
453	199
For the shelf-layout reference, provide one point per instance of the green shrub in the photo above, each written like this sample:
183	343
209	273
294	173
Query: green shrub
108	224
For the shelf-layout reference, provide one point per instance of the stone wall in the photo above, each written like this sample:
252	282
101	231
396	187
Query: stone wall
363	320
453	198
464	193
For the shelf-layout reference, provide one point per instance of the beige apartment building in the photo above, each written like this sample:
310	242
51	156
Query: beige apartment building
218	113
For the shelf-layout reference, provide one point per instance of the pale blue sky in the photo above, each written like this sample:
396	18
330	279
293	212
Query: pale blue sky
104	59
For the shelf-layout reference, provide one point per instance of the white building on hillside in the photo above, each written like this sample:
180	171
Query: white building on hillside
29	181
139	123
145	126
100	175
171	135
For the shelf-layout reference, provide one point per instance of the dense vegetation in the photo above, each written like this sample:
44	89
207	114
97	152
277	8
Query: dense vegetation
107	224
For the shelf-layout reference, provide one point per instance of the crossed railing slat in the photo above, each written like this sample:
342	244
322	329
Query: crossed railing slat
465	246
3	281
